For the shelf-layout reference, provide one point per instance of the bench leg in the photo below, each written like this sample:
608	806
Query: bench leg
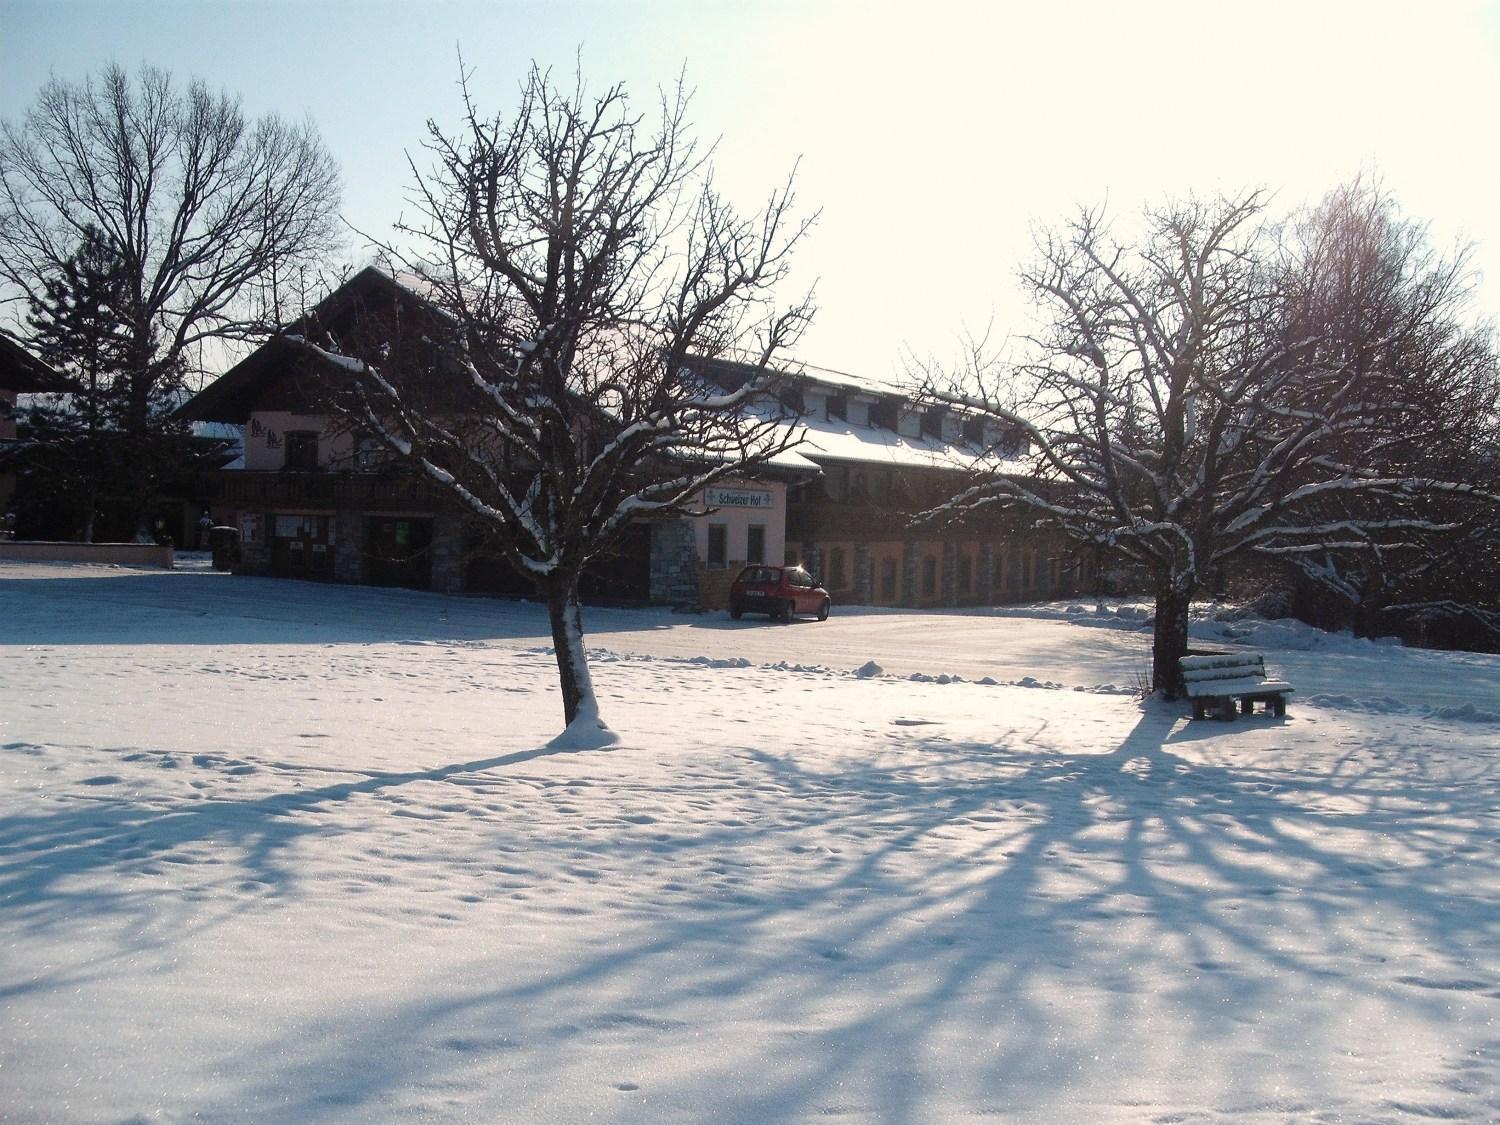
1278	706
1198	711
1247	706
1227	709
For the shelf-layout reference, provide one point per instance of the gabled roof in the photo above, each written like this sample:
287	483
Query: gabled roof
229	398
23	372
732	372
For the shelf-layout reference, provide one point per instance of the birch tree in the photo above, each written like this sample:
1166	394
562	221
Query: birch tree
580	258
1179	417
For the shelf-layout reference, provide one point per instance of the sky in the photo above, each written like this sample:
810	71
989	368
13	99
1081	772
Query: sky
935	139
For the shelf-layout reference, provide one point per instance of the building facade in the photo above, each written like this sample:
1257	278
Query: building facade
20	373
314	500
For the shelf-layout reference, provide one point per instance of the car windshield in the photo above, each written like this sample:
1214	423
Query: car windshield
760	574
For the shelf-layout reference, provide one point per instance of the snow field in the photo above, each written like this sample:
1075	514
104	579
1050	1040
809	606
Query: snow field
346	880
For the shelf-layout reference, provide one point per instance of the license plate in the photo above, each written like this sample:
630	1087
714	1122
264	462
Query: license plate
755	593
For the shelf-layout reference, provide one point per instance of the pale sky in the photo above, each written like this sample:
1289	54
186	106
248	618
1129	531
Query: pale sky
935	136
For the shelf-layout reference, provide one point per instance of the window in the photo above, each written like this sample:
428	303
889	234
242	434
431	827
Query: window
836	483
368	452
888	579
929	577
965	574
301	450
755	543
718	544
835	576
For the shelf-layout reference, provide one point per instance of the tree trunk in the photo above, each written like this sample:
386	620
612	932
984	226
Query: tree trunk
1171	638
567	644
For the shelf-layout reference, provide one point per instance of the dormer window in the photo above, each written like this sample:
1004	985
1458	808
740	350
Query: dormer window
884	414
1009	442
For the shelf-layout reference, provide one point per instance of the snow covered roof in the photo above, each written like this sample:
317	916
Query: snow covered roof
834	440
828	438
837	440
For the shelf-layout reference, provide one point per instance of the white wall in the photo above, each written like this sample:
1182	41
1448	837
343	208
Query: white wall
333	448
738	520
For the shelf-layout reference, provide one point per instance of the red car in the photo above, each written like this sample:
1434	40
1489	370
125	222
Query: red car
779	591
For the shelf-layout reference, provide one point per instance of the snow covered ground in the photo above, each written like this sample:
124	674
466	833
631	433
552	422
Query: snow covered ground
277	851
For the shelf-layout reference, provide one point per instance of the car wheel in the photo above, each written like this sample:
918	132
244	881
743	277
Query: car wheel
823	609
788	609
736	613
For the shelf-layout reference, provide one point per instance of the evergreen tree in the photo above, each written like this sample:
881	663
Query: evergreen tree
89	454
72	455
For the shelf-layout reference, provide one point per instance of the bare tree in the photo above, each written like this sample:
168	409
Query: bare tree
208	213
581	259
1178	417
1383	305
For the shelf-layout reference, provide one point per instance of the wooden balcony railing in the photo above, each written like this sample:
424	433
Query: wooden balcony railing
318	490
827	520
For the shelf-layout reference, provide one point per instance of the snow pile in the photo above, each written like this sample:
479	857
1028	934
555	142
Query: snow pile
1386	705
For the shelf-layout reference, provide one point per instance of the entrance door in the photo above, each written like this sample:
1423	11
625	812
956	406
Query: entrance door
623	573
301	546
400	551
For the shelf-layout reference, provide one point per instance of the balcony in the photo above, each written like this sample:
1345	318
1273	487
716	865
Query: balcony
273	490
828	520
823	520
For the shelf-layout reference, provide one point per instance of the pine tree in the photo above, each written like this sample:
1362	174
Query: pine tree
74	454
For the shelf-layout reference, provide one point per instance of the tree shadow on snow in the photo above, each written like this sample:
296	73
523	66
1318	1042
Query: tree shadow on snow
944	905
100	858
144	608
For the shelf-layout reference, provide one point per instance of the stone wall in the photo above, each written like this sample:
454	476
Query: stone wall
447	552
674	563
349	545
120	554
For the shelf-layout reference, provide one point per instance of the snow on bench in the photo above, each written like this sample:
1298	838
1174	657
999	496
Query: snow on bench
1215	681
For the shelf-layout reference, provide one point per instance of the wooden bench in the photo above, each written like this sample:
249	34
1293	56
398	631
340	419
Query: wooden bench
1215	681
